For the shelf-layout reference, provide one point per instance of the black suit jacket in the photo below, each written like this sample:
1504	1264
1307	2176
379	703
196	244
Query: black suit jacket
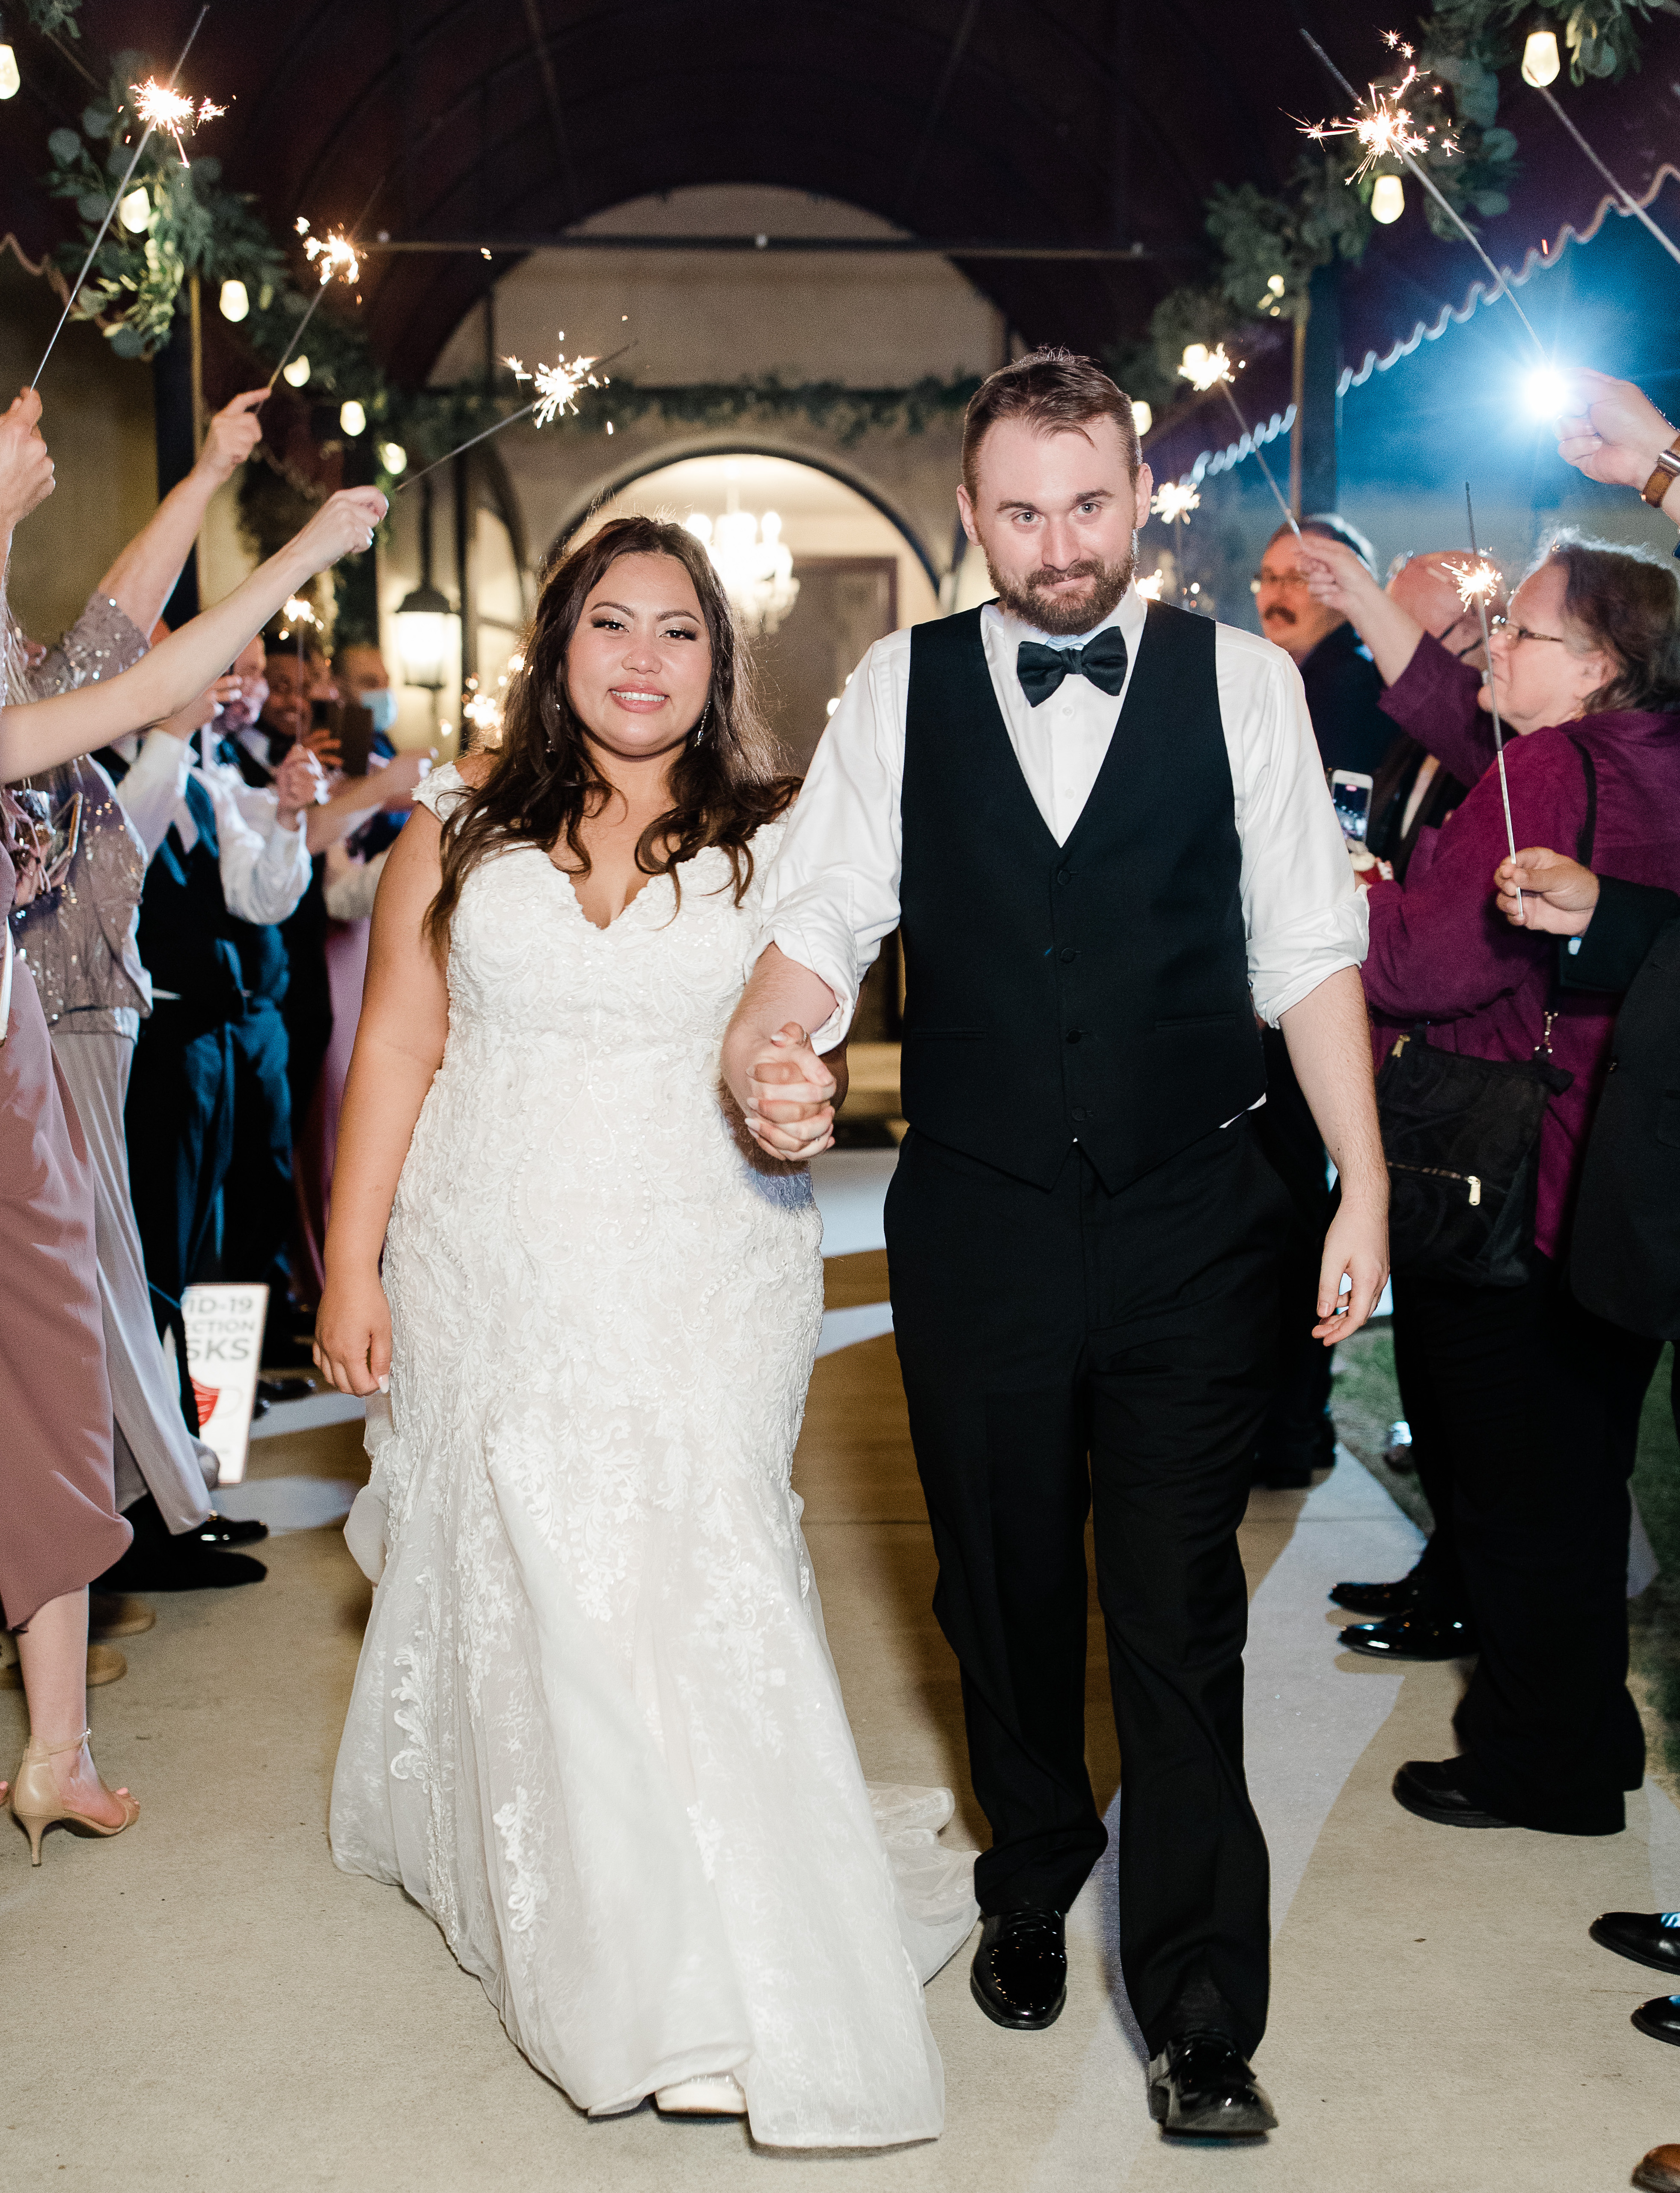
1343	696
1625	1251
1390	792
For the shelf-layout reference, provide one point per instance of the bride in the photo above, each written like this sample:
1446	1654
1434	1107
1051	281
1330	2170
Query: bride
595	1732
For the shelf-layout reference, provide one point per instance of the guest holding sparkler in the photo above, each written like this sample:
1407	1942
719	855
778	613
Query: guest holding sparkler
1537	1400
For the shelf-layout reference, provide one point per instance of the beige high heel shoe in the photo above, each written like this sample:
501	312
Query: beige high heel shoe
37	1804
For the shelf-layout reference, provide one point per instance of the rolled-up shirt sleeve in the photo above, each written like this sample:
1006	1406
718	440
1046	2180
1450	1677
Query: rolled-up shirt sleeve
1305	917
262	877
832	891
150	792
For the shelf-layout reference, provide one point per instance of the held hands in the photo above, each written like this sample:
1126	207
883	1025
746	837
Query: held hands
1616	435
26	468
790	1109
343	526
1544	890
298	785
231	435
352	1335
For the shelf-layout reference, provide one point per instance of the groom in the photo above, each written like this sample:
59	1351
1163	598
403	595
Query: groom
1102	826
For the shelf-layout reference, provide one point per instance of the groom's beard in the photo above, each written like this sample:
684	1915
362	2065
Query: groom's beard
1030	600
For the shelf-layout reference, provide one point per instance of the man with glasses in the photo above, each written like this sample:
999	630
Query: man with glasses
1343	689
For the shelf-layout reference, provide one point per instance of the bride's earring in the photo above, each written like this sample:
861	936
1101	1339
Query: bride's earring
698	735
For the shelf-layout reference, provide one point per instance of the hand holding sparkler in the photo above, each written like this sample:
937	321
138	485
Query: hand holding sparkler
1616	434
1539	889
25	467
232	434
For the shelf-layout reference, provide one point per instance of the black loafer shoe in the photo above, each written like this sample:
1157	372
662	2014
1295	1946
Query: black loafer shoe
284	1390
1418	1635
160	1562
1018	1977
1430	1788
1380	1598
222	1531
1661	2019
1200	2085
1650	1938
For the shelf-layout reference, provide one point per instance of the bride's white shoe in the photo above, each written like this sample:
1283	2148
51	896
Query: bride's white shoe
718	2095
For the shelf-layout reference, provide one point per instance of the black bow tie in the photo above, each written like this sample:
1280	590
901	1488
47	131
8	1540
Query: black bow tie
1042	669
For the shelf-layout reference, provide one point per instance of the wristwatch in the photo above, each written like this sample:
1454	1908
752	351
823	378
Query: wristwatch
1663	478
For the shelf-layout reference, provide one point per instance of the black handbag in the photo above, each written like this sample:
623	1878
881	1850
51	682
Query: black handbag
1461	1136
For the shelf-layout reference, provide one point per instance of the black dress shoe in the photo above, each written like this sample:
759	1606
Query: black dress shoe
1381	1598
160	1562
284	1390
1430	1788
1660	2018
1650	1938
1018	1977
1419	1635
223	1531
1200	2084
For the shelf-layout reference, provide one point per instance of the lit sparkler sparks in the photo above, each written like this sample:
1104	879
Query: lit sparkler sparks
1395	141
161	106
335	252
1386	126
1150	589
1476	582
1204	369
1175	500
296	615
558	387
117	198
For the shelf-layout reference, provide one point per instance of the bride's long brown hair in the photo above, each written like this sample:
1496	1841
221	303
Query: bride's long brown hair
544	781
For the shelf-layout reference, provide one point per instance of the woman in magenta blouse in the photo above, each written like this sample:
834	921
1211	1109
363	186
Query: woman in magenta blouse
1536	1401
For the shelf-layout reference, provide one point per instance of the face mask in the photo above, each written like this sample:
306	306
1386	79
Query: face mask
382	705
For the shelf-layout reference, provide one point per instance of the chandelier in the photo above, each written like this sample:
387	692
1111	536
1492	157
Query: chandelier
753	562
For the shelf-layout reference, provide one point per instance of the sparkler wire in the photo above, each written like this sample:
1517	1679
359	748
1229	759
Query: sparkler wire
116	197
1629	203
297	333
512	419
1493	698
1260	455
1501	280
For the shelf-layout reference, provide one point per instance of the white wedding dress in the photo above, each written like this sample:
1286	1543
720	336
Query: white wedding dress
595	1732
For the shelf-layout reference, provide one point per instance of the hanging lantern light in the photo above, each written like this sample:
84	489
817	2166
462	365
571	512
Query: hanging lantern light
295	371
1388	199
353	419
235	301
10	81
425	637
134	211
1541	62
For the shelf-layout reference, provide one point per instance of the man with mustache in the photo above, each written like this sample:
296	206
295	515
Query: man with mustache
1341	680
1102	828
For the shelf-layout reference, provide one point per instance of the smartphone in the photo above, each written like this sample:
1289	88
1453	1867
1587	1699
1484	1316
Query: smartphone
356	737
1351	796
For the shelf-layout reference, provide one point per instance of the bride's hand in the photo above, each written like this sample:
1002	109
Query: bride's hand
790	1113
352	1335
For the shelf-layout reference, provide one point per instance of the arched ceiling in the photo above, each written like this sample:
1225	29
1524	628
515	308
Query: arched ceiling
1035	123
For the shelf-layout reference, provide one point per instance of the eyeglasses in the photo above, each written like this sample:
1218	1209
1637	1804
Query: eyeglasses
1288	582
1515	631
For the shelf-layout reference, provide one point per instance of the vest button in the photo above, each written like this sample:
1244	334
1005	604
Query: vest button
1073	1035
1068	955
1064	875
1078	1111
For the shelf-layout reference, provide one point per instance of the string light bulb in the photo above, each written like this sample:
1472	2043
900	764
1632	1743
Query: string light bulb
1388	199
1540	61
353	419
394	457
10	81
1142	417
235	301
134	211
295	371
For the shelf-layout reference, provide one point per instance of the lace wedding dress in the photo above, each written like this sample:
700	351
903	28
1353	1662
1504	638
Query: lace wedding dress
595	1732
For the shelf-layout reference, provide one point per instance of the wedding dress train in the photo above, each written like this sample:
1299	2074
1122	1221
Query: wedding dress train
595	1732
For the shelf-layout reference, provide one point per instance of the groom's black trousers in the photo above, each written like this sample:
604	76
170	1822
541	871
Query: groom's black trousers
1070	1351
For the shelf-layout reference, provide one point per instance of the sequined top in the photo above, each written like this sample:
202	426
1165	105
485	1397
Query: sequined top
80	939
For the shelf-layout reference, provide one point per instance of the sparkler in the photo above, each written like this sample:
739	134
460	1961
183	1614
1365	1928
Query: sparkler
1386	128
161	107
558	388
1204	369
116	197
1477	581
1173	500
337	255
1397	137
1630	204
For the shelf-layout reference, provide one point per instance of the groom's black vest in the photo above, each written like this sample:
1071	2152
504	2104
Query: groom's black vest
1095	992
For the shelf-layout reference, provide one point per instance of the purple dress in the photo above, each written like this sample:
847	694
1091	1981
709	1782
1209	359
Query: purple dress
58	1528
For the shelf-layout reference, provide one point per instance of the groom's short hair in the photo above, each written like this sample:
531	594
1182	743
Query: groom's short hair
1052	389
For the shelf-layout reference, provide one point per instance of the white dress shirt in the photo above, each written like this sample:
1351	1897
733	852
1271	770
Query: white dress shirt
832	890
263	876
